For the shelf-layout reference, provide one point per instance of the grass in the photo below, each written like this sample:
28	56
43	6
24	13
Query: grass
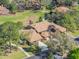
76	33
14	55
21	16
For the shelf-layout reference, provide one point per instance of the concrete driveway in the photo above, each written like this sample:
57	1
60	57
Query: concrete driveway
33	57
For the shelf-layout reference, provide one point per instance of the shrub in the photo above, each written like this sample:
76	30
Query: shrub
12	7
4	2
34	49
50	56
74	54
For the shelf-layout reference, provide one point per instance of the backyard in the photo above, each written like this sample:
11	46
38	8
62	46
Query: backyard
21	16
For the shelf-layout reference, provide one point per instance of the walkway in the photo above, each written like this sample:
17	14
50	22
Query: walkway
28	55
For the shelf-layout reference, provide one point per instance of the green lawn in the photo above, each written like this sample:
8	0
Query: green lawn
76	33
14	55
21	16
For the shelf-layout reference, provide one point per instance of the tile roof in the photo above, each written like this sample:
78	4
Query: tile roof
41	26
32	35
39	31
45	34
35	36
59	28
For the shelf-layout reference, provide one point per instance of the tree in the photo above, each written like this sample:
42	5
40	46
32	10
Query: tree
46	2
4	2
63	2
36	6
12	7
74	54
68	20
60	43
50	55
20	4
9	34
2	45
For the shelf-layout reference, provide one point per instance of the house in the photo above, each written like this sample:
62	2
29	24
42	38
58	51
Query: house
41	31
61	9
4	10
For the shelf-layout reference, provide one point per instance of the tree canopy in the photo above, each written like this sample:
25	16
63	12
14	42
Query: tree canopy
9	34
4	2
74	54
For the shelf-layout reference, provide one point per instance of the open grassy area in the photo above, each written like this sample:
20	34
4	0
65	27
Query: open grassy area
14	55
21	16
76	33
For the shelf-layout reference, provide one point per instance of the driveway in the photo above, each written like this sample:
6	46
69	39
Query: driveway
40	55
33	57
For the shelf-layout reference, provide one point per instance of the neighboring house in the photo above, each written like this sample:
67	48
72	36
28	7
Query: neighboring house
41	31
4	10
62	9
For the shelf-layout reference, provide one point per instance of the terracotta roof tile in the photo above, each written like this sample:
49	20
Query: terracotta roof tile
45	34
42	26
60	28
35	36
32	35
